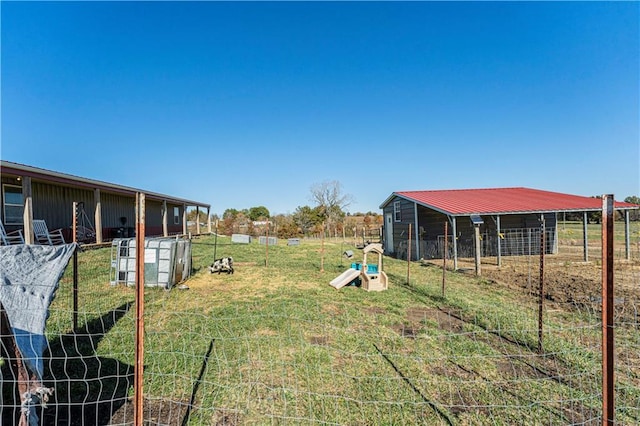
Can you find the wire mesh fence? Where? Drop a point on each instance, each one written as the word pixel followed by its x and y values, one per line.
pixel 274 343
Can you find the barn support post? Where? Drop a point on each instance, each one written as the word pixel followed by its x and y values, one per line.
pixel 184 219
pixel 627 245
pixel 27 214
pixel 98 215
pixel 197 220
pixel 209 220
pixel 476 241
pixel 556 245
pixel 165 219
pixel 499 241
pixel 608 411
pixel 585 237
pixel 454 238
pixel 138 417
pixel 416 230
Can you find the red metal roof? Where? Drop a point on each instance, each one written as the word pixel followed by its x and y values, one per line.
pixel 503 200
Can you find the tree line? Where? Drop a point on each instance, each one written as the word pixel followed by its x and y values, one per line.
pixel 327 215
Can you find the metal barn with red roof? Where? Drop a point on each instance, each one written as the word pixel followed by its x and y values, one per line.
pixel 499 212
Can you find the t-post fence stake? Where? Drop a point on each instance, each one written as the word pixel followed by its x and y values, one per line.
pixel 75 266
pixel 409 258
pixel 138 416
pixel 541 288
pixel 444 254
pixel 608 412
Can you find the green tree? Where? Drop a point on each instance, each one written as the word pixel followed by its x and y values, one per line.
pixel 258 213
pixel 202 216
pixel 230 214
pixel 306 218
pixel 285 226
pixel 633 214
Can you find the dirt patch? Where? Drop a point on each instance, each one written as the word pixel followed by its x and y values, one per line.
pixel 375 310
pixel 417 317
pixel 170 413
pixel 319 340
pixel 569 284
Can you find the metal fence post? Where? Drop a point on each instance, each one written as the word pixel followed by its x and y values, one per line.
pixel 138 417
pixel 541 287
pixel 444 254
pixel 608 412
pixel 409 257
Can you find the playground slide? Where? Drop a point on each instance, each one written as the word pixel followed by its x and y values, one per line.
pixel 344 278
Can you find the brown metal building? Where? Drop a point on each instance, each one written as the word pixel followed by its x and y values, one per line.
pixel 32 193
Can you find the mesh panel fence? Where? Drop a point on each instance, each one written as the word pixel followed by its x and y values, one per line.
pixel 274 343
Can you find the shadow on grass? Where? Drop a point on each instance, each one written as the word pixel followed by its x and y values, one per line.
pixel 196 385
pixel 89 388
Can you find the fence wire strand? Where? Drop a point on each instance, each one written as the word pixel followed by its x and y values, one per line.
pixel 276 344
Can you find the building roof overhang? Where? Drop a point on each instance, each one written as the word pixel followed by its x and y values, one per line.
pixel 502 201
pixel 8 168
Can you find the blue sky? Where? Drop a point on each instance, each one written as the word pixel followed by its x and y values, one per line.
pixel 243 104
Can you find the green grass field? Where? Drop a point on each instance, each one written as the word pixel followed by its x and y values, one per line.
pixel 274 344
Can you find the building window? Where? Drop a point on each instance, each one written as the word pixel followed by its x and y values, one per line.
pixel 396 212
pixel 13 204
pixel 176 215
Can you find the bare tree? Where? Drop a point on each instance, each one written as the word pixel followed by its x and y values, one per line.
pixel 331 203
pixel 328 196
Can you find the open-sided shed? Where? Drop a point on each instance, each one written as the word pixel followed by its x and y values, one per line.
pixel 414 221
pixel 30 193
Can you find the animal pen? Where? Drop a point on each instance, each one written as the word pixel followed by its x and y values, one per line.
pixel 273 343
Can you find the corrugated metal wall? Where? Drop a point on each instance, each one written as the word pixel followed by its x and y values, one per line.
pixel 54 204
pixel 431 226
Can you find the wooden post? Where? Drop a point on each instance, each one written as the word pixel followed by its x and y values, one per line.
pixel 19 371
pixel 266 247
pixel 215 242
pixel 608 411
pixel 184 220
pixel 209 220
pixel 138 417
pixel 98 215
pixel 322 250
pixel 27 216
pixel 197 220
pixel 476 240
pixel 165 219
